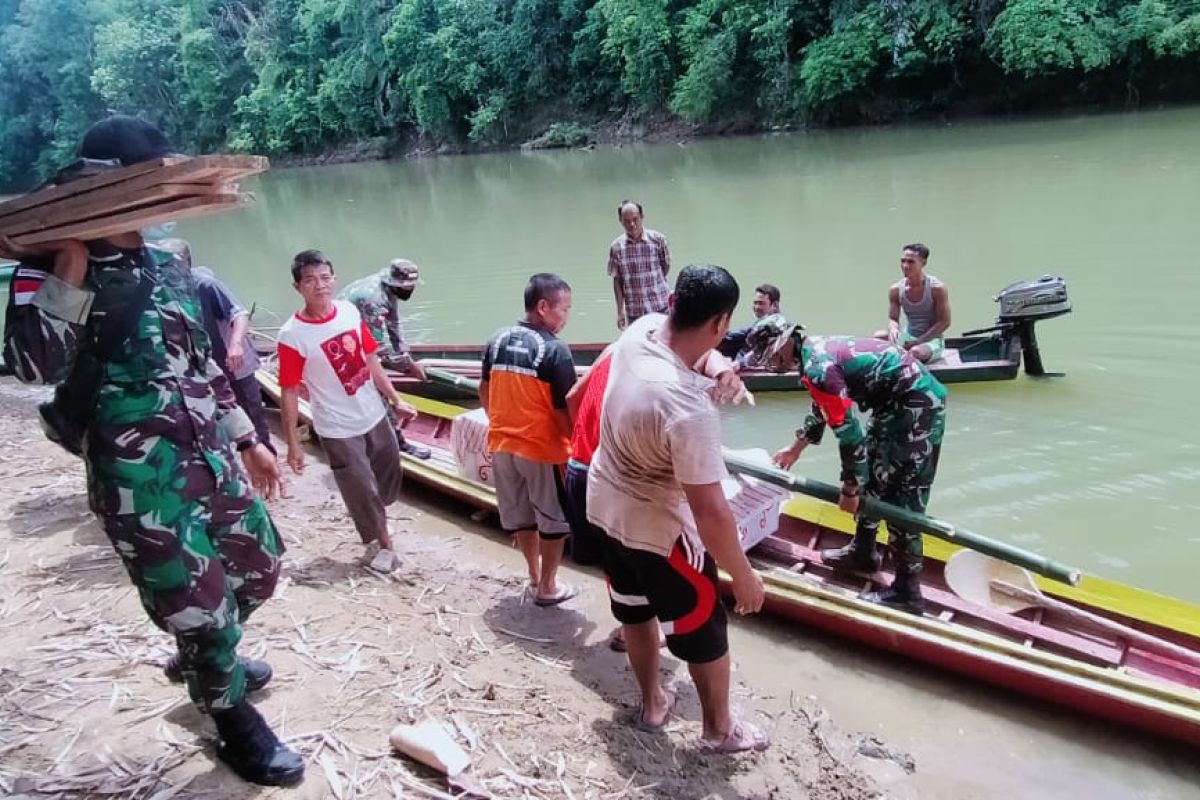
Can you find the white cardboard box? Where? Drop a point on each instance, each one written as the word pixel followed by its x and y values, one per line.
pixel 755 504
pixel 468 438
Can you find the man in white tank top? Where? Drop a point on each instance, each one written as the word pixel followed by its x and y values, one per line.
pixel 926 306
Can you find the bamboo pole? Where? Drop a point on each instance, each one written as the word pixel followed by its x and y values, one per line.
pixel 886 511
pixel 911 519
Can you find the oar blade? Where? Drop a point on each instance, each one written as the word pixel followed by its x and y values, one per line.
pixel 971 574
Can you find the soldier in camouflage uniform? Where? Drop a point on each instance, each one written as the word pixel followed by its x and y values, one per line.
pixel 159 446
pixel 894 459
pixel 377 298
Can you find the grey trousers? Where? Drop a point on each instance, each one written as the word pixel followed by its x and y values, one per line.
pixel 368 474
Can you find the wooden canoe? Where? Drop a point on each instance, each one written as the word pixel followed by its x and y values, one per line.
pixel 994 357
pixel 1035 652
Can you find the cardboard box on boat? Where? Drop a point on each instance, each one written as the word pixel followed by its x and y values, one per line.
pixel 755 504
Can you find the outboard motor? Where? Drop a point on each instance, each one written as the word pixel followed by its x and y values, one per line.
pixel 1023 305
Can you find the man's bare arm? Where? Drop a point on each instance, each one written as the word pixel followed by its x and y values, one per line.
pixel 893 326
pixel 619 294
pixel 485 396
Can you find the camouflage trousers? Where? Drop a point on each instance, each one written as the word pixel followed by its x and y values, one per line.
pixel 201 567
pixel 904 442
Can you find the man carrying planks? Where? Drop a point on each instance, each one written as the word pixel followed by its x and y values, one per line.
pixel 894 459
pixel 156 422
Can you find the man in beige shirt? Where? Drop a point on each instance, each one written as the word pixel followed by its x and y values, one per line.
pixel 654 487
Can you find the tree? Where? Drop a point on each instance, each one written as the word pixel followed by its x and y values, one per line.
pixel 1036 37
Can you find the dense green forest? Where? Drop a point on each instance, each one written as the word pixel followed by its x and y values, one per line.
pixel 304 76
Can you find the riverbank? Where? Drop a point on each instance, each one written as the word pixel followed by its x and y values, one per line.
pixel 546 133
pixel 534 695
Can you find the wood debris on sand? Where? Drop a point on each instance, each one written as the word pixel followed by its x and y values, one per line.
pixel 534 696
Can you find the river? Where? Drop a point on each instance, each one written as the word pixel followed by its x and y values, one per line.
pixel 1100 468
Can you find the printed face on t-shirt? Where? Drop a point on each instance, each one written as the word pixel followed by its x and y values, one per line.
pixel 345 355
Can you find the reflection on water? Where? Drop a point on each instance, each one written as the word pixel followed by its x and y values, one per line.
pixel 1099 469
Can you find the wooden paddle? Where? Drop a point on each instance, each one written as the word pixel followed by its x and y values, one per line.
pixel 990 582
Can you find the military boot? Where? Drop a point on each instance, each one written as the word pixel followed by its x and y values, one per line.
pixel 251 749
pixel 904 593
pixel 858 556
pixel 258 673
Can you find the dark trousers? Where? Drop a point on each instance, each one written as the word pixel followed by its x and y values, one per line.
pixel 368 474
pixel 586 538
pixel 201 567
pixel 249 397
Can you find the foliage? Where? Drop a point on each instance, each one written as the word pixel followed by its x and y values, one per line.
pixel 560 134
pixel 1033 37
pixel 295 76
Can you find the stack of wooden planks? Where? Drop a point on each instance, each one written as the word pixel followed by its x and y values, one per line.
pixel 124 199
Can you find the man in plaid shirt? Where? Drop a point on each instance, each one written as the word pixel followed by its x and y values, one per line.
pixel 638 262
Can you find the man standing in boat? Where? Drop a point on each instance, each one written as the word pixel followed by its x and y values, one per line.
pixel 638 263
pixel 327 347
pixel 527 373
pixel 377 298
pixel 654 487
pixel 894 459
pixel 925 302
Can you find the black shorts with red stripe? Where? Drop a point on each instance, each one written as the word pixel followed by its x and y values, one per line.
pixel 680 589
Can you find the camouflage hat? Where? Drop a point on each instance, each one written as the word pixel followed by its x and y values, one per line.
pixel 401 274
pixel 767 339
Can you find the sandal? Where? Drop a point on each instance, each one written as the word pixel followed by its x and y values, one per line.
pixel 639 722
pixel 742 736
pixel 565 593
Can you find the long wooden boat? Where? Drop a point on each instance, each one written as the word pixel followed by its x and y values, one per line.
pixel 993 357
pixel 1042 653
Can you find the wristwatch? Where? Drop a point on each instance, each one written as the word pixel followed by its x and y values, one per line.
pixel 245 444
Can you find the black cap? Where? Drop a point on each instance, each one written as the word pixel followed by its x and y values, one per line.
pixel 126 139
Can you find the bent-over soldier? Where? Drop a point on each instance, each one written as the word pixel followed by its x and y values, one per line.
pixel 893 459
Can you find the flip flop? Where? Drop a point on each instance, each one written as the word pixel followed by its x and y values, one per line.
pixel 639 722
pixel 565 593
pixel 742 736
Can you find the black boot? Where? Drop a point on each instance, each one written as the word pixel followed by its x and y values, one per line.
pixel 858 556
pixel 416 450
pixel 258 673
pixel 904 593
pixel 251 749
pixel 407 447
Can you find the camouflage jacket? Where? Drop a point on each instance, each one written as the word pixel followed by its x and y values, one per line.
pixel 381 312
pixel 165 413
pixel 838 372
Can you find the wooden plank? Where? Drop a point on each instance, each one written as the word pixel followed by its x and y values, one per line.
pixel 53 193
pixel 92 206
pixel 134 220
pixel 148 173
pixel 779 551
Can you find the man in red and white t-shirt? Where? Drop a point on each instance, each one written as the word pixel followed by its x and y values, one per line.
pixel 329 348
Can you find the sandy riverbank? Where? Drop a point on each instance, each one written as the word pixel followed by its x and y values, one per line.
pixel 534 694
